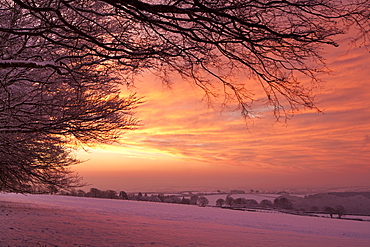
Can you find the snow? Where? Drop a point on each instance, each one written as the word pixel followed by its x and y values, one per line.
pixel 45 220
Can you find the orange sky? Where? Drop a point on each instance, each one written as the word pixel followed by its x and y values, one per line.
pixel 185 144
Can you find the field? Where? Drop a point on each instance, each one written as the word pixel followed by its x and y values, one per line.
pixel 45 220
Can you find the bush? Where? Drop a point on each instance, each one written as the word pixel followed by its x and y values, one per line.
pixel 266 204
pixel 283 203
pixel 185 201
pixel 202 201
pixel 154 198
pixel 340 211
pixel 251 203
pixel 330 211
pixel 193 199
pixel 229 201
pixel 220 202
pixel 172 199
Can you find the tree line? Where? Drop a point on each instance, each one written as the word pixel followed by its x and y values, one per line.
pixel 279 203
pixel 199 200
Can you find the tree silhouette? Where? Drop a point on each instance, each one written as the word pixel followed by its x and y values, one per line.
pixel 94 192
pixel 61 63
pixel 48 106
pixel 283 203
pixel 202 201
pixel 266 204
pixel 330 211
pixel 220 202
pixel 272 41
pixel 340 210
pixel 229 200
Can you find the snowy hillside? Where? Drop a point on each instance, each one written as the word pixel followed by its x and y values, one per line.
pixel 44 220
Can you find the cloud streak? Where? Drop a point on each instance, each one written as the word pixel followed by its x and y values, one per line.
pixel 177 123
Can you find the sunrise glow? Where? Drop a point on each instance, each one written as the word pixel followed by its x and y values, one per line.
pixel 185 142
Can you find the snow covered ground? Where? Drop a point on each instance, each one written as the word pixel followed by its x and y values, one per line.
pixel 44 220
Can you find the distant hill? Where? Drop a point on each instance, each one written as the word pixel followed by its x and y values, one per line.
pixel 353 202
pixel 350 194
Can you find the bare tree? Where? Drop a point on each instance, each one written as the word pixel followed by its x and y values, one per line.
pixel 266 204
pixel 30 164
pixel 202 201
pixel 61 62
pixel 330 211
pixel 229 200
pixel 45 109
pixel 94 192
pixel 273 42
pixel 220 202
pixel 283 203
pixel 194 199
pixel 340 210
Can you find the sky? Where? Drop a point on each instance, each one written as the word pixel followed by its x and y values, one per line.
pixel 185 143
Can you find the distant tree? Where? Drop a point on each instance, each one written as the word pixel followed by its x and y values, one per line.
pixel 185 200
pixel 283 203
pixel 251 191
pixel 202 201
pixel 193 199
pixel 111 194
pixel 161 197
pixel 154 198
pixel 172 199
pixel 81 193
pixel 144 198
pixel 229 201
pixel 240 201
pixel 220 202
pixel 139 196
pixel 69 192
pixel 251 203
pixel 330 211
pixel 266 204
pixel 94 192
pixel 132 196
pixel 340 210
pixel 123 195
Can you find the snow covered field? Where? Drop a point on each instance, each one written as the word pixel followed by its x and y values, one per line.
pixel 44 220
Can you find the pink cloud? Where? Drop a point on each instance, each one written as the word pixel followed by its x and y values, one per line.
pixel 310 146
